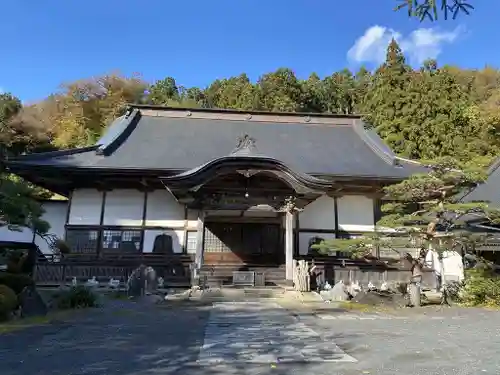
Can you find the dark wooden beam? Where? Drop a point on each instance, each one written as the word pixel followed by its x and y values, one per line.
pixel 186 217
pixel 336 215
pixel 144 218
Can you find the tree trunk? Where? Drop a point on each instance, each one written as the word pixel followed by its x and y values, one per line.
pixel 301 276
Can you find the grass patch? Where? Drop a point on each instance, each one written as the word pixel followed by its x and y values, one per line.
pixel 19 324
pixel 116 295
pixel 361 307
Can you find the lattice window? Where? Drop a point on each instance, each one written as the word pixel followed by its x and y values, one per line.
pixel 82 241
pixel 221 237
pixel 121 240
pixel 192 240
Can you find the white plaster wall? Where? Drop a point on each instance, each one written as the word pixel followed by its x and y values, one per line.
pixel 124 207
pixel 319 214
pixel 26 235
pixel 453 266
pixel 192 222
pixel 177 239
pixel 55 215
pixel 355 213
pixel 163 210
pixel 305 237
pixel 453 269
pixel 260 213
pixel 85 207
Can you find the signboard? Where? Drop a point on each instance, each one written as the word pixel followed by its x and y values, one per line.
pixel 246 278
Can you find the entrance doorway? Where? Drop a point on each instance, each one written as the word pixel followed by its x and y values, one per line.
pixel 243 243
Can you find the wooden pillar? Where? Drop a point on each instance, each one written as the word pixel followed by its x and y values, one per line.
pixel 198 260
pixel 289 218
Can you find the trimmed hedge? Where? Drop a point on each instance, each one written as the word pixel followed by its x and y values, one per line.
pixel 16 281
pixel 8 302
pixel 77 297
pixel 481 288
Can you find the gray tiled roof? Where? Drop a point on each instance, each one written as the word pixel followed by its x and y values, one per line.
pixel 159 142
pixel 489 190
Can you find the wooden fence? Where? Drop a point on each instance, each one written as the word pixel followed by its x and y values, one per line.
pixel 334 270
pixel 174 269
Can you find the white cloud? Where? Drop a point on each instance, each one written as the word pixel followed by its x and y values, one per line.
pixel 419 45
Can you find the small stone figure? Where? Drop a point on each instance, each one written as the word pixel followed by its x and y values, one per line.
pixel 92 283
pixel 337 293
pixel 113 283
pixel 161 282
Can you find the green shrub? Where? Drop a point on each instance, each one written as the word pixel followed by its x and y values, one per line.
pixel 77 297
pixel 481 288
pixel 8 302
pixel 16 281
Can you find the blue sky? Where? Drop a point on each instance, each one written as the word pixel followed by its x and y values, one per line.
pixel 47 42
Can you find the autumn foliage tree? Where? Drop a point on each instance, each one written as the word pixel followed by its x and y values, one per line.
pixel 18 205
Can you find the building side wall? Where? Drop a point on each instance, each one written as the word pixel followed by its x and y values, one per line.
pixel 334 217
pixel 150 214
pixel 164 211
pixel 86 206
pixel 55 215
pixel 356 213
pixel 319 214
pixel 123 207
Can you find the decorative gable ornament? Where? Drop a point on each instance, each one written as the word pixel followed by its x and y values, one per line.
pixel 245 143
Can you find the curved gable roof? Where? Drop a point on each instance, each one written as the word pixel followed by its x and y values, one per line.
pixel 159 138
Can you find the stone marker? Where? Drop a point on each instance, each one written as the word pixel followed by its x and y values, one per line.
pixel 136 282
pixel 151 281
pixel 32 304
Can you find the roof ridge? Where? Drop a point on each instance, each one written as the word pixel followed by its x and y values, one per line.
pixel 118 131
pixel 376 145
pixel 241 111
pixel 50 154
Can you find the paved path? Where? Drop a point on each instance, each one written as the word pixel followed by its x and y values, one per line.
pixel 263 333
pixel 255 338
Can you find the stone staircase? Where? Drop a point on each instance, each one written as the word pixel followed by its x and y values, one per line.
pixel 230 294
pixel 222 275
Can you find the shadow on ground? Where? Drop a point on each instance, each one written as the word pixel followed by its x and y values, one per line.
pixel 131 338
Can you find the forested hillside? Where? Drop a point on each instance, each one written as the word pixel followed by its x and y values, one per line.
pixel 422 114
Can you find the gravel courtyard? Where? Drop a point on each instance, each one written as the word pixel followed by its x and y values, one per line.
pixel 256 338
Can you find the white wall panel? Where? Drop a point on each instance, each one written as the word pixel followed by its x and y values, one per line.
pixel 260 213
pixel 192 222
pixel 124 207
pixel 453 266
pixel 176 235
pixel 355 213
pixel 163 210
pixel 25 235
pixel 85 207
pixel 319 214
pixel 55 215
